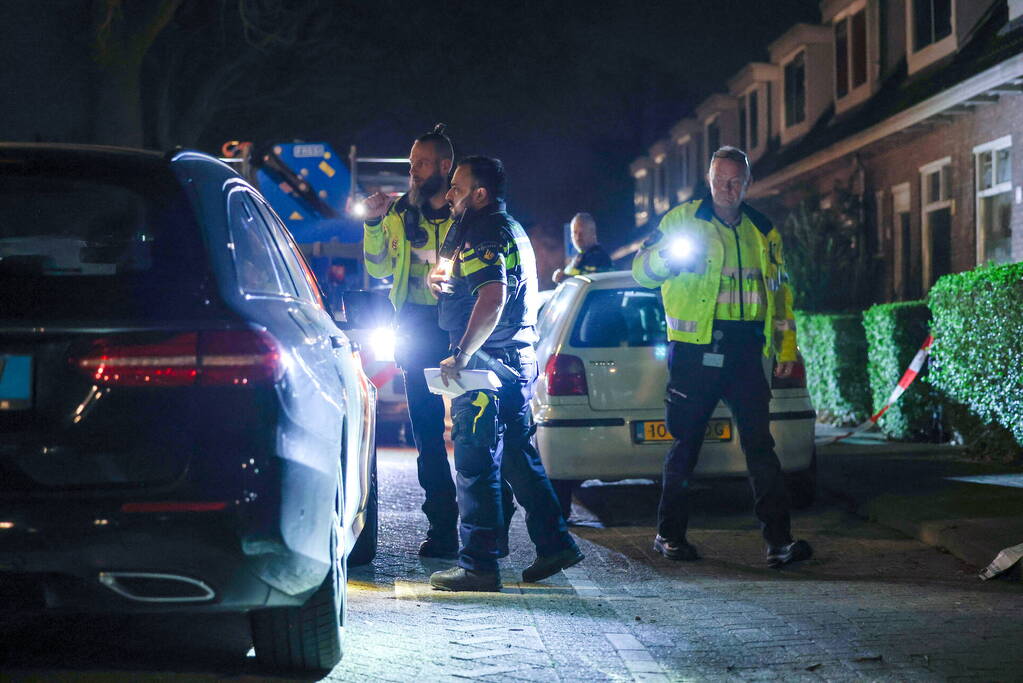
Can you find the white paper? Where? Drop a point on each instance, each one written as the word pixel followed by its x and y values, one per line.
pixel 468 380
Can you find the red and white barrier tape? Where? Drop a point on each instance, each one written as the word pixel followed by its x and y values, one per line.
pixel 907 378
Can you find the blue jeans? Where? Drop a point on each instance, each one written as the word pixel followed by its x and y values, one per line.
pixel 493 431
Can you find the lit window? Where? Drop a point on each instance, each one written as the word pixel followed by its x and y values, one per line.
pixel 795 90
pixel 994 201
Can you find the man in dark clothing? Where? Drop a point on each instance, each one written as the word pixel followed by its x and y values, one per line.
pixel 591 257
pixel 489 308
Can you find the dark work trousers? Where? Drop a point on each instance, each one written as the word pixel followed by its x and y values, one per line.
pixel 493 433
pixel 422 344
pixel 694 389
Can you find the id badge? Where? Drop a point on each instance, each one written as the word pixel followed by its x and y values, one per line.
pixel 714 360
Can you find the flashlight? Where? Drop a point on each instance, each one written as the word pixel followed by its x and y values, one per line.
pixel 359 209
pixel 382 341
pixel 681 249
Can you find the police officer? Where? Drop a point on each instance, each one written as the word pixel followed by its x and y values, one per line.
pixel 402 239
pixel 490 313
pixel 591 257
pixel 719 266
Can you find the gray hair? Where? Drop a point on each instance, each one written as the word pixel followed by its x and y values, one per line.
pixel 734 154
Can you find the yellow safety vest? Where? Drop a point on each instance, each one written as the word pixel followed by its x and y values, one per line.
pixel 695 297
pixel 388 252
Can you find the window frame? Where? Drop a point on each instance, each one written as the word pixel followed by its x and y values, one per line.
pixel 785 64
pixel 927 207
pixel 993 146
pixel 683 152
pixel 932 52
pixel 855 94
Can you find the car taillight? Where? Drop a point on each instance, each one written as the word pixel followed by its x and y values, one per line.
pixel 796 380
pixel 566 376
pixel 238 357
pixel 210 358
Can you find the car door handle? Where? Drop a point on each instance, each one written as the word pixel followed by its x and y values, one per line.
pixel 339 342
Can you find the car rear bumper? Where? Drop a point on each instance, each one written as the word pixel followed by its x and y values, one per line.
pixel 603 448
pixel 106 555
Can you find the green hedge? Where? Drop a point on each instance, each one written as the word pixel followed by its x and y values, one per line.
pixel 834 349
pixel 894 335
pixel 977 357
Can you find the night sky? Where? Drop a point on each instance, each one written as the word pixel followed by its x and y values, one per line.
pixel 566 93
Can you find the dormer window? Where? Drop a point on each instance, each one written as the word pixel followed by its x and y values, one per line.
pixel 931 31
pixel 795 89
pixel 851 51
pixel 713 138
pixel 932 21
pixel 749 120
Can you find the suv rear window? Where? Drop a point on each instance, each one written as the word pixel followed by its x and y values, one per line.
pixel 82 242
pixel 620 317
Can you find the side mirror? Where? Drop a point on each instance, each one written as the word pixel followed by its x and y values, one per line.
pixel 363 310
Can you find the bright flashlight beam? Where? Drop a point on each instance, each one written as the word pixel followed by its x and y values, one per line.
pixel 381 343
pixel 681 248
pixel 359 209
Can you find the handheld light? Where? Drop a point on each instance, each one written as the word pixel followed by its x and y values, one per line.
pixel 359 209
pixel 382 341
pixel 681 248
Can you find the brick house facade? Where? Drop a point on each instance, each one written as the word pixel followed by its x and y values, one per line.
pixel 914 106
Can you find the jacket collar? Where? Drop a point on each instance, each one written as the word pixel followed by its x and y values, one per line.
pixel 705 211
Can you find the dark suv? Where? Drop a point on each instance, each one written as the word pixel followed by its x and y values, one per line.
pixel 183 424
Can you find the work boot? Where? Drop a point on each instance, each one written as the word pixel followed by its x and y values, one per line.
pixel 780 555
pixel 549 565
pixel 459 579
pixel 680 551
pixel 434 546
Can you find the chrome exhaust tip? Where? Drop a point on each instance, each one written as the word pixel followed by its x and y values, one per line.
pixel 153 587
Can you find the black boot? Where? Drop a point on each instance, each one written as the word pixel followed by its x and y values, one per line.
pixel 459 579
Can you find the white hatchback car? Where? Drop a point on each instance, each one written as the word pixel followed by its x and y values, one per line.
pixel 599 405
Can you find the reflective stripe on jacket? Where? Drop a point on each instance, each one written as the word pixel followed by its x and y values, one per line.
pixel 691 296
pixel 388 252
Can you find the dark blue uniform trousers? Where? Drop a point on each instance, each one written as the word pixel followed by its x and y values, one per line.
pixel 422 344
pixel 694 389
pixel 493 432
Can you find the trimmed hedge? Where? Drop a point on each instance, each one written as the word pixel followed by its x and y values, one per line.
pixel 977 357
pixel 834 349
pixel 894 334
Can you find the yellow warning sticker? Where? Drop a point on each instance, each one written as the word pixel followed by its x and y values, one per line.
pixel 327 169
pixel 295 216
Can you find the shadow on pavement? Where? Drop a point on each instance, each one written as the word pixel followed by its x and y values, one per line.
pixel 180 647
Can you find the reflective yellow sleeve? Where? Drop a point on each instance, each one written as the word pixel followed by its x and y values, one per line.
pixel 377 245
pixel 784 317
pixel 648 266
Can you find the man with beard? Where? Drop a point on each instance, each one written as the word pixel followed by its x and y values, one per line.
pixel 402 239
pixel 489 306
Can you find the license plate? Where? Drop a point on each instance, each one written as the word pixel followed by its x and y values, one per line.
pixel 15 382
pixel 718 429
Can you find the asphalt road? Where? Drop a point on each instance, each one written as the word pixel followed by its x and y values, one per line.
pixel 871 605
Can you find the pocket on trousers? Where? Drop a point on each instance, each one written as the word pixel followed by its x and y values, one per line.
pixel 475 423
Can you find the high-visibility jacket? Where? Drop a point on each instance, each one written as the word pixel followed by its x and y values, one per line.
pixel 389 252
pixel 698 292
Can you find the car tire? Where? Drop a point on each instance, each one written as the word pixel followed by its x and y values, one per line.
pixel 365 548
pixel 802 485
pixel 564 488
pixel 309 638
